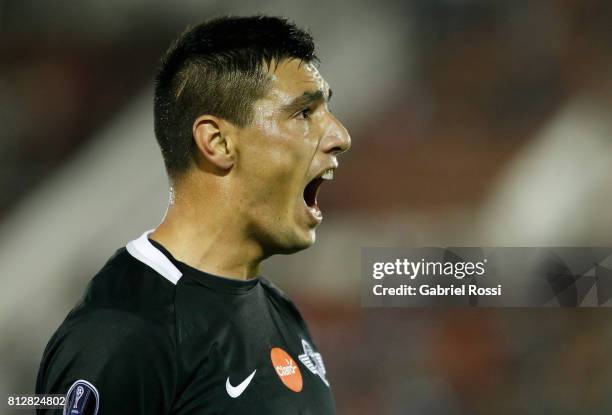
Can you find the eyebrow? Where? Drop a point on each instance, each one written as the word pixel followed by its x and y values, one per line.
pixel 306 99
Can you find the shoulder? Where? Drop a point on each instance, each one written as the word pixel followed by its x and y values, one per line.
pixel 120 353
pixel 120 337
pixel 106 333
pixel 126 305
pixel 126 284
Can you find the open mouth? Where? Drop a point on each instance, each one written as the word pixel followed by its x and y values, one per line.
pixel 311 192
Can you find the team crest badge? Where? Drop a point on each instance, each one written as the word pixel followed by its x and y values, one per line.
pixel 82 399
pixel 313 361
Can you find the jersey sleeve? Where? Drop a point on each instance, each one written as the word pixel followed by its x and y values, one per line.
pixel 110 361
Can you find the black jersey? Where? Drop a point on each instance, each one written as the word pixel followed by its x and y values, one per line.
pixel 153 335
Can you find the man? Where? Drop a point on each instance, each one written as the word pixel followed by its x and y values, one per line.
pixel 179 321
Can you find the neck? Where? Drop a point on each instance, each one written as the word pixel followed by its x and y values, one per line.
pixel 210 237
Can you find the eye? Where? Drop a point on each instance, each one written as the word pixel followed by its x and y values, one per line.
pixel 305 114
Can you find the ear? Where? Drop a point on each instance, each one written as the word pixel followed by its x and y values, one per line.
pixel 213 138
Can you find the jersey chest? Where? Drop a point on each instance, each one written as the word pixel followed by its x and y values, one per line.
pixel 247 355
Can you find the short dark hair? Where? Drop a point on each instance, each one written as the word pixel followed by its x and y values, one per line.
pixel 218 68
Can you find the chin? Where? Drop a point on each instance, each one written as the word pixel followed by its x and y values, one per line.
pixel 298 241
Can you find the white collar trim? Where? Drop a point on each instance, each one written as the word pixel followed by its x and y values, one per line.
pixel 145 252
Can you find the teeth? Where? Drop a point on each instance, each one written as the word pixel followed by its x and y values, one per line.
pixel 328 174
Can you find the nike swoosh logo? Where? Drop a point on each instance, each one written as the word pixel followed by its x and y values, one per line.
pixel 236 391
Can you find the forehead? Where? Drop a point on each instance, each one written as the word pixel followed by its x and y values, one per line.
pixel 291 78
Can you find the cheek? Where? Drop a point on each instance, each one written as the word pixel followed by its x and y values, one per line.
pixel 279 152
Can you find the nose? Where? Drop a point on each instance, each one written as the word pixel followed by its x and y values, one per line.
pixel 337 139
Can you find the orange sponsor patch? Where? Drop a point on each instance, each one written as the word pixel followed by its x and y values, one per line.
pixel 286 368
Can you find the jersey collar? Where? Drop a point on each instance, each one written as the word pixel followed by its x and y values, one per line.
pixel 145 252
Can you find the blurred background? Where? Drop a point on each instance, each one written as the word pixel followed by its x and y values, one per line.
pixel 474 123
